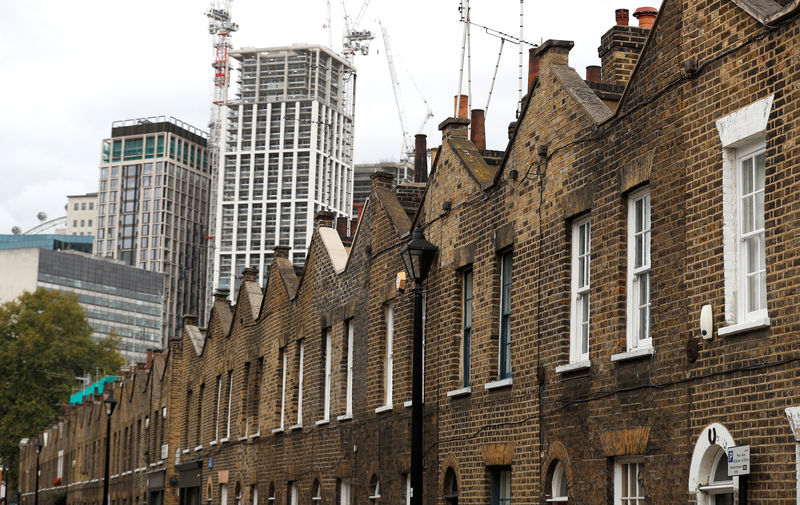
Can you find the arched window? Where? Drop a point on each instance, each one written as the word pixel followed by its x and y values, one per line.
pixel 316 493
pixel 450 487
pixel 238 494
pixel 720 486
pixel 708 473
pixel 375 490
pixel 271 497
pixel 558 485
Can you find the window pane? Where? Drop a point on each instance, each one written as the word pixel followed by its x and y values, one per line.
pixel 747 214
pixel 747 176
pixel 759 171
pixel 584 323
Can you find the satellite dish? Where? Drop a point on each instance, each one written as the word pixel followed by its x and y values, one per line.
pixel 41 216
pixel 16 230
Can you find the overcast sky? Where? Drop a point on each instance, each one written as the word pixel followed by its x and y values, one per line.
pixel 72 68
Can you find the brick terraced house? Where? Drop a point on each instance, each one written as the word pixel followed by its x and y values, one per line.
pixel 612 308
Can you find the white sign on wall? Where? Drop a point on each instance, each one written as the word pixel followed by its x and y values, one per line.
pixel 738 460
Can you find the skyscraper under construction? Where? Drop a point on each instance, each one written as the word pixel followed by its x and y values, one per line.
pixel 287 153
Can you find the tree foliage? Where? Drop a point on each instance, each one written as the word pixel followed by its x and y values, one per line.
pixel 45 343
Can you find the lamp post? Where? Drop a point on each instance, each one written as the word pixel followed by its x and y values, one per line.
pixel 418 256
pixel 110 402
pixel 38 447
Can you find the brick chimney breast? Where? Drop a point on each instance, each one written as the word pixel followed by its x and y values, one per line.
pixel 454 128
pixel 250 274
pixel 619 51
pixel 382 180
pixel 323 219
pixel 281 251
pixel 553 52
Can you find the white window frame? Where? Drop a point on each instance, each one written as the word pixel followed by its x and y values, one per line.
pixel 316 491
pixel 375 496
pixel 388 359
pixel 217 407
pixel 742 134
pixel 620 493
pixel 559 476
pixel 467 296
pixel 294 493
pixel 301 353
pixel 230 403
pixel 283 387
pixel 326 405
pixel 704 464
pixel 348 399
pixel 580 292
pixel 60 464
pixel 408 489
pixel 638 273
pixel 223 495
pixel 344 492
pixel 504 370
pixel 752 152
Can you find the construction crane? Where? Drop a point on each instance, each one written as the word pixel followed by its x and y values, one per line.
pixel 408 141
pixel 220 26
pixel 355 40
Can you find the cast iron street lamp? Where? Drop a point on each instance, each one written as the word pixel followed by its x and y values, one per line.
pixel 418 257
pixel 36 490
pixel 109 404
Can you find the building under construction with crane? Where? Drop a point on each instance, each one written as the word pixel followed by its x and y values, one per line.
pixel 287 154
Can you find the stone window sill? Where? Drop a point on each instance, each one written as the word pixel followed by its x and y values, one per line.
pixel 501 383
pixel 735 329
pixel 574 367
pixel 459 392
pixel 345 417
pixel 641 352
pixel 295 427
pixel 322 422
pixel 383 408
pixel 275 431
pixel 198 448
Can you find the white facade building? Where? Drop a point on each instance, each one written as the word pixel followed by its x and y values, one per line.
pixel 288 153
pixel 81 214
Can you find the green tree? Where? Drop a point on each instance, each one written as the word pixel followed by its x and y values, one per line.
pixel 45 343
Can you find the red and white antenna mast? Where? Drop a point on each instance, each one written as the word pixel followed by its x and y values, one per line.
pixel 220 27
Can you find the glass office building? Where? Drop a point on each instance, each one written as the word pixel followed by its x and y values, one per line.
pixel 152 208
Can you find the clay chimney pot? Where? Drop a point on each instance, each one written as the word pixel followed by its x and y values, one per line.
pixel 460 108
pixel 646 16
pixel 622 17
pixel 478 132
pixel 593 73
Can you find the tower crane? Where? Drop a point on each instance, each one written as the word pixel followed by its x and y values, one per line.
pixel 220 26
pixel 408 151
pixel 355 40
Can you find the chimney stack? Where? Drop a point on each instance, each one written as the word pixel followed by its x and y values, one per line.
pixel 323 219
pixel 281 251
pixel 620 47
pixel 622 17
pixel 149 359
pixel 421 158
pixel 478 130
pixel 593 73
pixel 460 107
pixel 533 67
pixel 646 16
